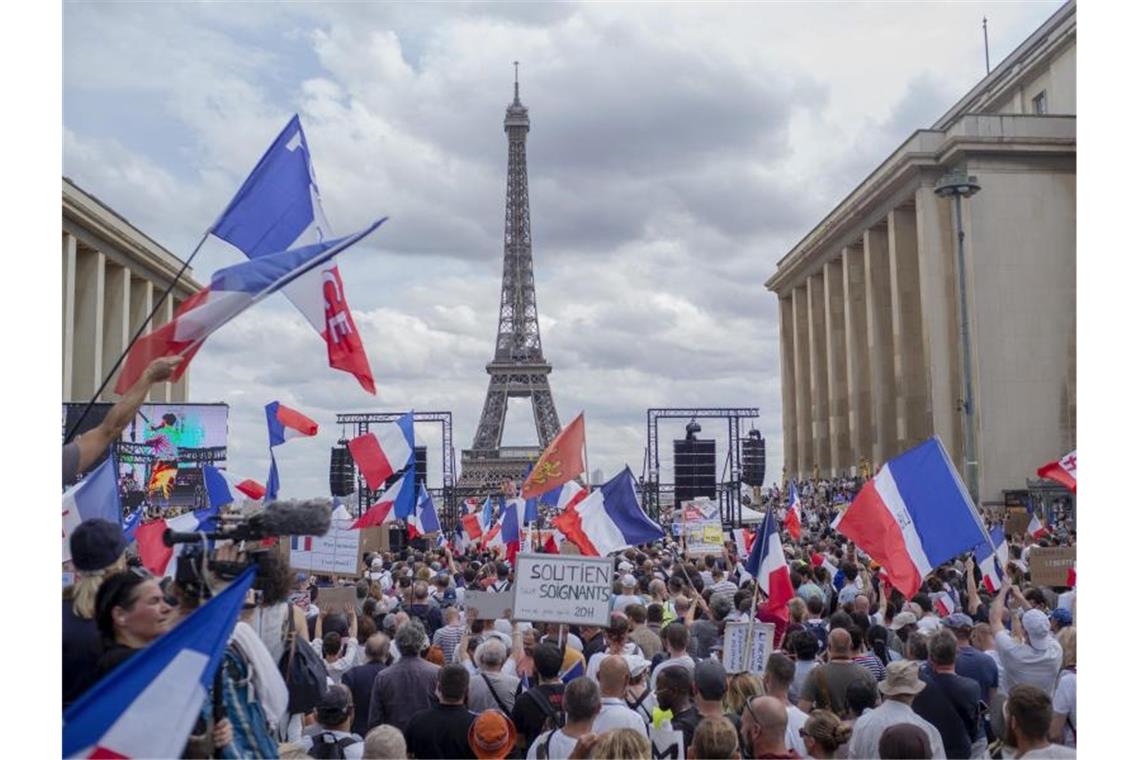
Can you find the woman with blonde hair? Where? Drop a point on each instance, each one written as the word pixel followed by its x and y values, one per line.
pixel 823 733
pixel 622 744
pixel 97 551
pixel 741 688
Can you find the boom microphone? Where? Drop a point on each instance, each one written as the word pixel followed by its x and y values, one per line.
pixel 311 517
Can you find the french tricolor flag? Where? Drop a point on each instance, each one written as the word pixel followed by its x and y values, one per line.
pixel 792 518
pixel 1036 529
pixel 424 519
pixel 148 706
pixel 564 495
pixel 743 538
pixel 231 291
pixel 991 557
pixel 285 424
pixel 608 519
pixel 157 557
pixel 222 488
pixel 767 564
pixel 381 455
pixel 385 510
pixel 96 496
pixel 913 516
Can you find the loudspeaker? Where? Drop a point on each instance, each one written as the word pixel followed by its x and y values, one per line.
pixel 752 460
pixel 397 539
pixel 342 473
pixel 421 467
pixel 694 469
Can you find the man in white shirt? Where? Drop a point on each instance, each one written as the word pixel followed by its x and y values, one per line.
pixel 613 678
pixel 1036 662
pixel 582 701
pixel 898 689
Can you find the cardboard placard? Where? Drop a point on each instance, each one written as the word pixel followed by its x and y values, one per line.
pixel 334 598
pixel 734 656
pixel 1050 565
pixel 1016 521
pixel 490 604
pixel 561 588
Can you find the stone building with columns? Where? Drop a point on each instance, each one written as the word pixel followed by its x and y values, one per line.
pixel 112 275
pixel 870 346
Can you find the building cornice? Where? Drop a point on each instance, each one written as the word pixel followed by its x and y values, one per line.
pixel 89 213
pixel 924 150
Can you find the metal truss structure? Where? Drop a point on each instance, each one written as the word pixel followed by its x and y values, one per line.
pixel 728 490
pixel 518 369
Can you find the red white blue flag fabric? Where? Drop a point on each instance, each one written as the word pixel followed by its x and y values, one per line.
pixel 1036 528
pixel 608 519
pixel 160 559
pixel 385 509
pixel 231 291
pixel 284 424
pixel 511 532
pixel 767 564
pixel 279 207
pixel 792 518
pixel 743 538
pixel 1063 471
pixel 424 518
pixel 223 488
pixel 382 454
pixel 96 496
pixel 564 495
pixel 148 706
pixel 913 516
pixel 991 557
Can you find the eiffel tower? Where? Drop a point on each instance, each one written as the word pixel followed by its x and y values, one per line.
pixel 518 369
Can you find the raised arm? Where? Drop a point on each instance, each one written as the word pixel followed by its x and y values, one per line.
pixel 997 607
pixel 972 600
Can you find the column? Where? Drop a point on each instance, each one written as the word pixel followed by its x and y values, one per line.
pixel 835 327
pixel 817 360
pixel 87 370
pixel 938 284
pixel 142 301
pixel 788 384
pixel 858 356
pixel 116 318
pixel 68 277
pixel 912 409
pixel 880 345
pixel 804 460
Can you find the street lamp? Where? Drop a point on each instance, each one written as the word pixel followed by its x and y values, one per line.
pixel 958 184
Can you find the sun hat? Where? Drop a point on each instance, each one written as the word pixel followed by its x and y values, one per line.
pixel 903 618
pixel 492 735
pixel 902 678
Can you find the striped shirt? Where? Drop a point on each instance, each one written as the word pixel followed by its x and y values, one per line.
pixel 447 638
pixel 723 587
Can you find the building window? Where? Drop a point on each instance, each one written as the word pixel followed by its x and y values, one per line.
pixel 1040 104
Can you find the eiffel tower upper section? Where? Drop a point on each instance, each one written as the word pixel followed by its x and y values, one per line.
pixel 518 368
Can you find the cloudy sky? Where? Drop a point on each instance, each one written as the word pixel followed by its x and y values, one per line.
pixel 676 153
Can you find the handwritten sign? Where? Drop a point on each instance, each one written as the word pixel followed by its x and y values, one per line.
pixel 336 598
pixel 1050 565
pixel 554 588
pixel 734 657
pixel 666 742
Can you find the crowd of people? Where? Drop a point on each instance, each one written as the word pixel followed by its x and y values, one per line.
pixel 410 669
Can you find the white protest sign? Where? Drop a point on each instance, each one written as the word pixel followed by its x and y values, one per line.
pixel 338 551
pixel 734 656
pixel 491 605
pixel 556 588
pixel 666 742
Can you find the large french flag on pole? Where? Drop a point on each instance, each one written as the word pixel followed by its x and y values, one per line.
pixel 147 706
pixel 767 564
pixel 609 519
pixel 913 516
pixel 386 509
pixel 231 291
pixel 792 518
pixel 1063 471
pixel 279 207
pixel 284 424
pixel 381 455
pixel 991 557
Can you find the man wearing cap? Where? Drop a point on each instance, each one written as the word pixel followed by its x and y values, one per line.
pixel 1060 618
pixel 613 680
pixel 628 594
pixel 902 626
pixel 898 689
pixel 1037 661
pixel 969 662
pixel 334 715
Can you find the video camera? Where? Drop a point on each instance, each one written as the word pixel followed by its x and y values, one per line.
pixel 279 518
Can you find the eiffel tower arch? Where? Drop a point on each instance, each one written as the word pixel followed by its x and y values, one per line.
pixel 518 369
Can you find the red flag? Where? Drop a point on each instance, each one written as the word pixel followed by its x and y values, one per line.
pixel 551 546
pixel 1063 471
pixel 154 554
pixel 471 525
pixel 561 462
pixel 369 457
pixel 346 352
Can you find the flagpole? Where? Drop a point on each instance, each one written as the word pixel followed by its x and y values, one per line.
pixel 138 333
pixel 586 455
pixel 751 621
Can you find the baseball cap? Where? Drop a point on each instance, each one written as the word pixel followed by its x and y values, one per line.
pixel 628 581
pixel 1061 617
pixel 637 664
pixel 96 544
pixel 624 566
pixel 1036 625
pixel 333 704
pixel 958 621
pixel 492 735
pixel 903 618
pixel 710 679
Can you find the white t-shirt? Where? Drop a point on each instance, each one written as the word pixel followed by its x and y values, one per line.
pixel 1052 751
pixel 616 714
pixel 684 661
pixel 561 746
pixel 796 720
pixel 1065 703
pixel 1026 664
pixel 596 659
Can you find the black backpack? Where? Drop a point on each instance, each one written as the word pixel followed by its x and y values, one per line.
pixel 326 745
pixel 304 672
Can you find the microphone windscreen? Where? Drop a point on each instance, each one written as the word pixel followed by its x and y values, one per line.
pixel 311 517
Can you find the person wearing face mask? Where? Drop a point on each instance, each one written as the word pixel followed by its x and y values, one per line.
pixel 131 612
